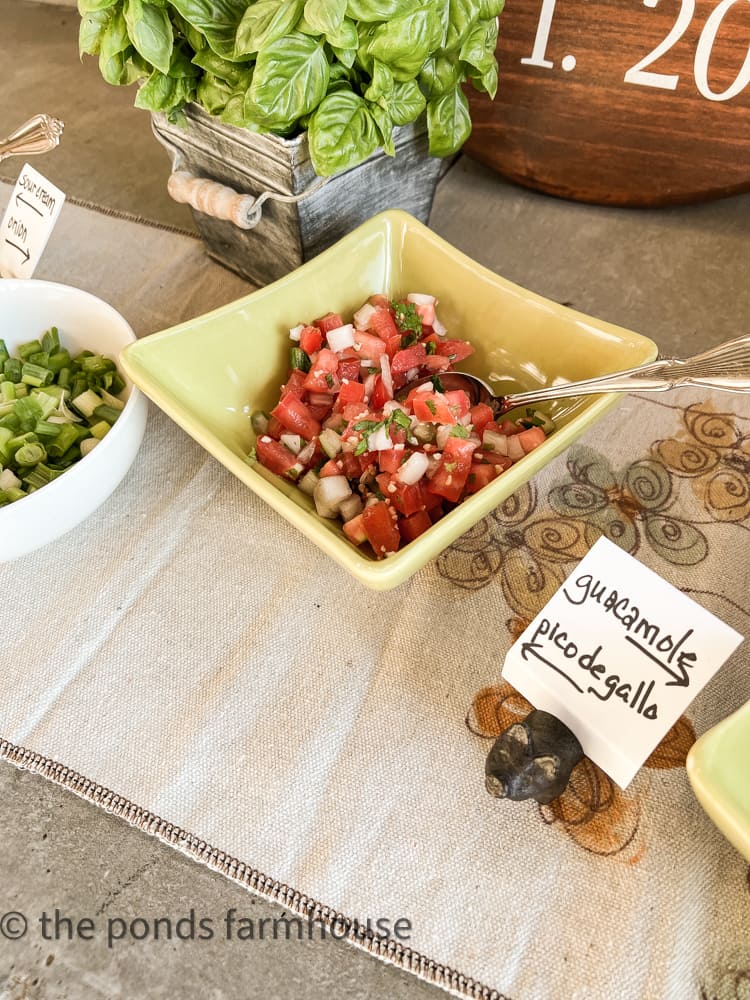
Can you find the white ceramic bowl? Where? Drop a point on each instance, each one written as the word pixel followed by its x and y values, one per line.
pixel 27 309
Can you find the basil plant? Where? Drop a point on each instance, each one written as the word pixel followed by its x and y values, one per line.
pixel 346 71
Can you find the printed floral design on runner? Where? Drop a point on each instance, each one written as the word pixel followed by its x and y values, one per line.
pixel 596 814
pixel 731 984
pixel 712 452
pixel 629 506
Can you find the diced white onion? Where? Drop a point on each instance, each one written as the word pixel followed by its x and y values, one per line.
pixel 292 441
pixel 9 480
pixel 443 433
pixel 296 331
pixel 419 299
pixel 413 468
pixel 385 368
pixel 515 448
pixel 308 482
pixel 390 406
pixel 329 493
pixel 380 440
pixel 351 507
pixel 492 441
pixel 306 454
pixel 425 387
pixel 341 338
pixel 439 328
pixel 363 316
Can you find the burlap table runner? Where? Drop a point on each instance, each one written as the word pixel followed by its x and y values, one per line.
pixel 187 661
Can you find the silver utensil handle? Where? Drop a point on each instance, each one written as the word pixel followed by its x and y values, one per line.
pixel 38 135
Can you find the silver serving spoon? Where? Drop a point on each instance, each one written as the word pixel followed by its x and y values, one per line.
pixel 725 367
pixel 39 134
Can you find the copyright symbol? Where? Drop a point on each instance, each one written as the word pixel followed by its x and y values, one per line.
pixel 13 925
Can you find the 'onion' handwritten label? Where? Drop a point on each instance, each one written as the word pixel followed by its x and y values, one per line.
pixel 28 222
pixel 617 655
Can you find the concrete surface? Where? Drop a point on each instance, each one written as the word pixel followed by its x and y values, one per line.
pixel 678 275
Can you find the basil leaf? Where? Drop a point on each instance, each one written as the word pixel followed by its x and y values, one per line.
pixel 345 36
pixel 150 31
pixel 326 16
pixel 265 22
pixel 486 82
pixel 345 56
pixel 478 49
pixel 448 122
pixel 406 103
pixel 382 82
pixel 91 30
pixel 461 17
pixel 158 93
pixel 216 19
pixel 379 10
pixel 115 38
pixel 439 74
pixel 181 67
pixel 384 125
pixel 490 8
pixel 290 80
pixel 92 6
pixel 230 72
pixel 114 68
pixel 213 93
pixel 341 133
pixel 404 43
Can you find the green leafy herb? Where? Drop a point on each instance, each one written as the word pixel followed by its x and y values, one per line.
pixel 431 406
pixel 408 322
pixel 458 431
pixel 437 384
pixel 347 71
pixel 298 359
pixel 430 347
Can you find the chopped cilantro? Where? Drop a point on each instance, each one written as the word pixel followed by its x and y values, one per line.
pixel 459 431
pixel 368 425
pixel 430 406
pixel 329 380
pixel 408 322
pixel 437 384
pixel 430 347
pixel 401 418
pixel 361 447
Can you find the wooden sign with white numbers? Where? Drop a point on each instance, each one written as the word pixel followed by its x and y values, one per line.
pixel 624 102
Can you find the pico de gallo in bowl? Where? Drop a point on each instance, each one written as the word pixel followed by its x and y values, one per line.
pixel 385 459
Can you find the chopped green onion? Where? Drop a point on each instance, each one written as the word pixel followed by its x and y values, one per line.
pixel 51 341
pixel 299 359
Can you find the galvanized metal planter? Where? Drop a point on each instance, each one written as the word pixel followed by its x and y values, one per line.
pixel 258 204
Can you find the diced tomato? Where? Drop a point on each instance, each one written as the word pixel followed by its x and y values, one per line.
pixel 354 411
pixel 311 339
pixel 354 530
pixel 432 407
pixel 508 427
pixel 296 417
pixel 435 363
pixel 450 478
pixel 382 324
pixel 276 457
pixel 407 498
pixel 371 348
pixel 350 466
pixel 349 368
pixel 413 526
pixel 429 337
pixel 411 357
pixel 495 458
pixel 432 501
pixel 481 415
pixel 454 350
pixel 393 344
pixel 331 321
pixel 379 396
pixel 319 411
pixel 458 402
pixel 531 438
pixel 330 469
pixel 479 476
pixel 390 460
pixel 323 375
pixel 379 522
pixel 295 383
pixel 274 429
pixel 351 392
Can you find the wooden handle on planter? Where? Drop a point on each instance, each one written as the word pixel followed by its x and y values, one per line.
pixel 214 199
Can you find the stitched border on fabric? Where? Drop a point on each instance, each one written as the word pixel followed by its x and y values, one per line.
pixel 250 878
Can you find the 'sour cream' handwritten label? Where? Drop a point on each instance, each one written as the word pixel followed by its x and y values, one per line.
pixel 28 222
pixel 617 655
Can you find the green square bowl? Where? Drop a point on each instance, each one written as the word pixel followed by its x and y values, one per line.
pixel 719 771
pixel 211 373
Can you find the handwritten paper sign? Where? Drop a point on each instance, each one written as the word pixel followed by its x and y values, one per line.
pixel 617 655
pixel 28 222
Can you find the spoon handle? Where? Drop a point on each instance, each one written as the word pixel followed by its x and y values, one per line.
pixel 38 135
pixel 726 367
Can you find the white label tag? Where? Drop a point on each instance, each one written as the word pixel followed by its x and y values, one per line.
pixel 617 655
pixel 28 222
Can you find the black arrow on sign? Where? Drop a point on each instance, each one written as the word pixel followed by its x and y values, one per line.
pixel 32 207
pixel 25 253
